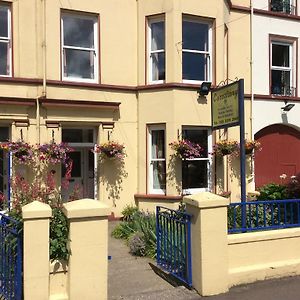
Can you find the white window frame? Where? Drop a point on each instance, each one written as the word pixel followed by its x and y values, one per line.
pixel 151 190
pixel 207 53
pixel 95 49
pixel 190 191
pixel 151 52
pixel 7 40
pixel 290 69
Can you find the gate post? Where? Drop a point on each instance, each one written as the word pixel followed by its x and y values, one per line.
pixel 36 216
pixel 88 242
pixel 209 242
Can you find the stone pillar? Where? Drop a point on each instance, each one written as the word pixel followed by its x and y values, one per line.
pixel 209 242
pixel 36 216
pixel 87 271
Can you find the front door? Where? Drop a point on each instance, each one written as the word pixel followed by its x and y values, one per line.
pixel 80 182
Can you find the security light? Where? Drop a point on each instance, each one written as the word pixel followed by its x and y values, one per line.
pixel 204 88
pixel 288 107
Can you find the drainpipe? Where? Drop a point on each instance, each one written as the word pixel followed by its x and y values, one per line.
pixel 252 91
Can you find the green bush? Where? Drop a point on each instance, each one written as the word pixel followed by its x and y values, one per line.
pixel 272 191
pixel 128 212
pixel 59 235
pixel 139 232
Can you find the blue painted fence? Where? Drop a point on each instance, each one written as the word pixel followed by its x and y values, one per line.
pixel 173 230
pixel 11 279
pixel 263 215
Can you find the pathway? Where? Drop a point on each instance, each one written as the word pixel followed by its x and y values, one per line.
pixel 132 278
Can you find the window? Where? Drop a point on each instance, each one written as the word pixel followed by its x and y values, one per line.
pixel 80 48
pixel 156 38
pixel 282 69
pixel 196 50
pixel 157 160
pixel 196 172
pixel 284 6
pixel 5 41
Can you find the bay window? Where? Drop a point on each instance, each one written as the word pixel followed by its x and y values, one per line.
pixel 196 171
pixel 157 160
pixel 5 40
pixel 282 79
pixel 196 50
pixel 79 47
pixel 156 49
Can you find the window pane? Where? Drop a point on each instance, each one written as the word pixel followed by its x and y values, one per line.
pixel 157 36
pixel 195 36
pixel 158 144
pixel 197 136
pixel 194 174
pixel 4 134
pixel 281 83
pixel 78 32
pixel 3 21
pixel 79 64
pixel 3 58
pixel 159 175
pixel 158 66
pixel 72 135
pixel 280 55
pixel 194 66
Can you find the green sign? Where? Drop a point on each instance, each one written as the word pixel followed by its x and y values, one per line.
pixel 225 106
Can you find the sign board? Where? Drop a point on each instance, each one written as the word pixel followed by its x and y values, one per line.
pixel 225 106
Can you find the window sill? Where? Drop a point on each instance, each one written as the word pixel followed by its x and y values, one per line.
pixel 157 196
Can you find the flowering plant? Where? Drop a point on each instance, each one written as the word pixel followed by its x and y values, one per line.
pixel 185 149
pixel 111 150
pixel 22 152
pixel 54 153
pixel 251 145
pixel 225 147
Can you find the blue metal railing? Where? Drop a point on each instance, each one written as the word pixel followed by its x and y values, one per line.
pixel 173 230
pixel 11 253
pixel 263 215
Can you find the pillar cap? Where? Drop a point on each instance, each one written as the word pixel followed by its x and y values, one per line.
pixel 85 208
pixel 206 200
pixel 36 210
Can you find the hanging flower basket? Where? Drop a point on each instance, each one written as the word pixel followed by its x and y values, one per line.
pixel 185 149
pixel 251 145
pixel 225 147
pixel 112 150
pixel 54 153
pixel 22 152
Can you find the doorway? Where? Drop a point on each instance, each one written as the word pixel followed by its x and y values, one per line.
pixel 81 182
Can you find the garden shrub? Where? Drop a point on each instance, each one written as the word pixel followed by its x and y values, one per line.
pixel 273 191
pixel 137 244
pixel 138 230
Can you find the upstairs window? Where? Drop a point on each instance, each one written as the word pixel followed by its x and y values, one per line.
pixel 80 48
pixel 156 45
pixel 196 50
pixel 282 81
pixel 5 40
pixel 283 6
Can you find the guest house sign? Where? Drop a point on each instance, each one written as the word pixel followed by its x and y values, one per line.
pixel 225 106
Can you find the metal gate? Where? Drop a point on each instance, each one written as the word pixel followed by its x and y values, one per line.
pixel 11 287
pixel 173 229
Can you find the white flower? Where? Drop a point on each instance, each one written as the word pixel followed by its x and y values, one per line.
pixel 293 177
pixel 283 176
